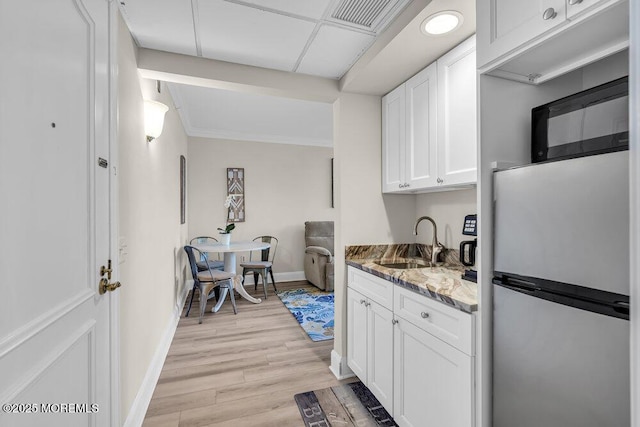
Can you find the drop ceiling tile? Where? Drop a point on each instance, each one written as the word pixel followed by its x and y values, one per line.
pixel 310 8
pixel 161 24
pixel 333 51
pixel 234 33
pixel 217 113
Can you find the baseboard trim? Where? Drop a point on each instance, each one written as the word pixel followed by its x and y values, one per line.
pixel 289 276
pixel 339 366
pixel 138 409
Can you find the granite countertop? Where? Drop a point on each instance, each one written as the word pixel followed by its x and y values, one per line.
pixel 443 283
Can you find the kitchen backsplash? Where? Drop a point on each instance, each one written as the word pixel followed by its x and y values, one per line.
pixel 401 250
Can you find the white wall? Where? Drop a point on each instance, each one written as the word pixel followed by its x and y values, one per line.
pixel 149 222
pixel 285 185
pixel 448 209
pixel 366 215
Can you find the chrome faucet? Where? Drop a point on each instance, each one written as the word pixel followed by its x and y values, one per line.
pixel 437 248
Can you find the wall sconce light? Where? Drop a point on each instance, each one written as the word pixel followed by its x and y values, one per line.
pixel 153 119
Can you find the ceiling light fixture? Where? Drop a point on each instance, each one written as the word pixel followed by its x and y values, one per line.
pixel 153 119
pixel 442 23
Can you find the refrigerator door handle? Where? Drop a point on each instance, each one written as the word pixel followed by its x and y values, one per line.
pixel 621 307
pixel 517 284
pixel 596 301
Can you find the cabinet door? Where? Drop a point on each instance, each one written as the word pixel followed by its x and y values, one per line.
pixel 512 23
pixel 421 128
pixel 380 362
pixel 433 382
pixel 576 7
pixel 357 334
pixel 393 144
pixel 457 118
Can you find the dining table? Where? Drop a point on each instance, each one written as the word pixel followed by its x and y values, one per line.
pixel 229 252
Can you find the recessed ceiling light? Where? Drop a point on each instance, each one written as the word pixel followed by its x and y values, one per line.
pixel 442 23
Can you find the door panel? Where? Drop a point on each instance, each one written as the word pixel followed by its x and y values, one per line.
pixel 512 23
pixel 357 334
pixel 54 123
pixel 421 133
pixel 432 380
pixel 393 134
pixel 380 369
pixel 457 116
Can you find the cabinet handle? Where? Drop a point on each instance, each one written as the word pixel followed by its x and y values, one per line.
pixel 394 322
pixel 367 304
pixel 424 315
pixel 574 2
pixel 549 14
pixel 362 301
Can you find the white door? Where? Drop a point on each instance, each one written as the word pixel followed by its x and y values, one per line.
pixel 357 334
pixel 421 124
pixel 457 116
pixel 433 382
pixel 576 7
pixel 380 352
pixel 513 23
pixel 393 146
pixel 54 220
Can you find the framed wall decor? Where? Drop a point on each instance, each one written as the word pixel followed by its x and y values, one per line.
pixel 235 188
pixel 183 189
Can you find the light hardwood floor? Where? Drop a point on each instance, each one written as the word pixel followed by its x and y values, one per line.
pixel 240 370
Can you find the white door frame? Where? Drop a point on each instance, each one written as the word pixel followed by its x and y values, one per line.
pixel 114 303
pixel 634 190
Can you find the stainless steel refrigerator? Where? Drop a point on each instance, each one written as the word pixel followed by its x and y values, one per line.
pixel 560 294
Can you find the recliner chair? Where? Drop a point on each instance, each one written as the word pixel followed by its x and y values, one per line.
pixel 318 258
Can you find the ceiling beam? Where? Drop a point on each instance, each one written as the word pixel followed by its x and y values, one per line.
pixel 176 68
pixel 412 10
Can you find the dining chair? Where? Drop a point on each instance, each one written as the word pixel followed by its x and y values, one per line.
pixel 216 264
pixel 264 266
pixel 207 280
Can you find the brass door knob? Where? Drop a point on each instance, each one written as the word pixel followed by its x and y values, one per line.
pixel 105 286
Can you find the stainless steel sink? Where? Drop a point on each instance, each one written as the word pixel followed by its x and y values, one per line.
pixel 404 265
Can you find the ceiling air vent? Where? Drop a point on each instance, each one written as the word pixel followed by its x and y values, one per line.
pixel 372 15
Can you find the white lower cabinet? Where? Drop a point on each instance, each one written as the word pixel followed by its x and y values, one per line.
pixel 416 355
pixel 370 345
pixel 433 380
pixel 357 321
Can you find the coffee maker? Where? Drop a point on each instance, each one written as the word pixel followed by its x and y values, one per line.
pixel 468 247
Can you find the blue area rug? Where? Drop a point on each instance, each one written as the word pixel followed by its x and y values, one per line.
pixel 313 310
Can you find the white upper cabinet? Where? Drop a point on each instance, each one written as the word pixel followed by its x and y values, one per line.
pixel 409 133
pixel 393 133
pixel 457 116
pixel 576 7
pixel 429 143
pixel 421 102
pixel 515 22
pixel 535 41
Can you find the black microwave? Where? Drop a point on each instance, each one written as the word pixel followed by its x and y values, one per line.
pixel 593 121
